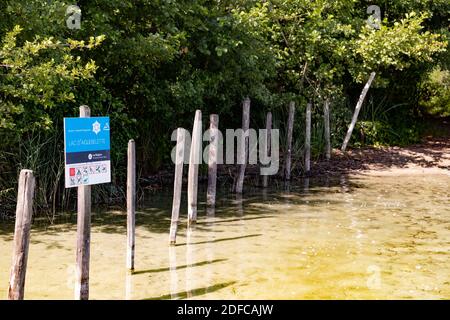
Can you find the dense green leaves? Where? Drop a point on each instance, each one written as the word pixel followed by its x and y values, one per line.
pixel 150 63
pixel 37 76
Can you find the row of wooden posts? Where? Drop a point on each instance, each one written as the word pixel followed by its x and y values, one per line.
pixel 27 185
pixel 26 188
pixel 195 153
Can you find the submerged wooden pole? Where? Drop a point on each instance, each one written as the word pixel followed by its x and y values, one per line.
pixel 357 109
pixel 131 204
pixel 243 152
pixel 173 273
pixel 190 278
pixel 290 129
pixel 268 143
pixel 212 160
pixel 83 233
pixel 194 161
pixel 128 286
pixel 177 184
pixel 24 212
pixel 326 119
pixel 308 139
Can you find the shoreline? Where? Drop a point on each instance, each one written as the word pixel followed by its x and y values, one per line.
pixel 431 157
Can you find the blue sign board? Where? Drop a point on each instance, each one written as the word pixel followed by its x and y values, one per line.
pixel 87 151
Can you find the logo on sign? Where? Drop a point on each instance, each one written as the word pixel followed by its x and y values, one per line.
pixel 96 127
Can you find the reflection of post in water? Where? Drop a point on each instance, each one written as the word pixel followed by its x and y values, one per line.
pixel 129 285
pixel 173 272
pixel 209 248
pixel 210 214
pixel 287 186
pixel 189 262
pixel 239 205
pixel 352 212
pixel 344 183
pixel 306 185
pixel 327 181
pixel 241 253
pixel 264 194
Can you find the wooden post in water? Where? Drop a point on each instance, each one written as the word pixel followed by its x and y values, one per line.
pixel 268 143
pixel 173 273
pixel 244 145
pixel 24 212
pixel 357 109
pixel 177 185
pixel 212 160
pixel 194 161
pixel 308 139
pixel 290 129
pixel 326 119
pixel 131 204
pixel 83 233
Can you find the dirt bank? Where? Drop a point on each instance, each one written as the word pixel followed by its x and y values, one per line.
pixel 430 157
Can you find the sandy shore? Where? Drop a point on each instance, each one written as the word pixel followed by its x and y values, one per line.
pixel 430 157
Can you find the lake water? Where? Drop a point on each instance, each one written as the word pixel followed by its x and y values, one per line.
pixel 349 238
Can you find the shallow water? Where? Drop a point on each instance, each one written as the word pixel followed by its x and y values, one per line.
pixel 353 238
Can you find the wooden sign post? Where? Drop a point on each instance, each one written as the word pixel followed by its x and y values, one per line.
pixel 83 233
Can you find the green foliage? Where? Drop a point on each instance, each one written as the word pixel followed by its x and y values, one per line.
pixel 435 99
pixel 396 47
pixel 149 64
pixel 37 76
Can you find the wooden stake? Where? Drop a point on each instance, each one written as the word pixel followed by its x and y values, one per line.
pixel 212 160
pixel 326 119
pixel 308 139
pixel 83 233
pixel 177 185
pixel 244 145
pixel 131 204
pixel 268 144
pixel 357 109
pixel 290 129
pixel 194 160
pixel 24 212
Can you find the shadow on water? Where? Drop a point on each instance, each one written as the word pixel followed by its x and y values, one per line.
pixel 219 240
pixel 232 220
pixel 194 292
pixel 198 264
